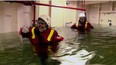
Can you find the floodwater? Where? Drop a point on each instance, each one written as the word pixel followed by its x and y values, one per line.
pixel 100 41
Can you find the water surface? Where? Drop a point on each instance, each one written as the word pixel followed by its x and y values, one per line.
pixel 102 40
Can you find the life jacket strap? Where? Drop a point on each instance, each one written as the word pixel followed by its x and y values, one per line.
pixel 50 35
pixel 33 34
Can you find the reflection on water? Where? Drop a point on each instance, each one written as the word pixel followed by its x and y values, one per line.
pixel 79 58
pixel 71 52
pixel 100 41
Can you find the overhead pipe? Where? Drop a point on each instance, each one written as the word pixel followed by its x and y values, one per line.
pixel 30 3
pixel 67 7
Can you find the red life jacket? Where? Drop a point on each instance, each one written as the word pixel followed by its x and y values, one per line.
pixel 85 26
pixel 49 37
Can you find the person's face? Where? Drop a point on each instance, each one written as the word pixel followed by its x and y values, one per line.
pixel 82 19
pixel 42 26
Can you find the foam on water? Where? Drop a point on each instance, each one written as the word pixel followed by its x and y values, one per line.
pixel 80 58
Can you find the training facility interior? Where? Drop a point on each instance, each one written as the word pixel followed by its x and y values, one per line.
pixel 15 50
pixel 14 15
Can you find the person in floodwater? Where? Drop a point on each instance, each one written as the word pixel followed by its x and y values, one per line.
pixel 82 25
pixel 42 37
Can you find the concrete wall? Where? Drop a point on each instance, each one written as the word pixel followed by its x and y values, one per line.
pixel 8 17
pixel 114 6
pixel 42 10
pixel 59 16
pixel 101 13
pixel 24 16
pixel 71 15
pixel 1 17
pixel 67 16
pixel 107 13
pixel 13 16
pixel 93 14
pixel 106 6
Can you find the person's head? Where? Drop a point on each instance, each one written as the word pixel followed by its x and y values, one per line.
pixel 82 17
pixel 43 23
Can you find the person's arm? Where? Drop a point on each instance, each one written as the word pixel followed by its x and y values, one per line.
pixel 90 26
pixel 73 26
pixel 55 41
pixel 57 38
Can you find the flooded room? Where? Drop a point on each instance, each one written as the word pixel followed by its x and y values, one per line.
pixel 57 32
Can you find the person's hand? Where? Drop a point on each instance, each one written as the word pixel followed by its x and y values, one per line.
pixel 25 29
pixel 60 38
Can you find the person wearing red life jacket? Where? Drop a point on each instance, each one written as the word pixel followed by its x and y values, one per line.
pixel 82 25
pixel 43 36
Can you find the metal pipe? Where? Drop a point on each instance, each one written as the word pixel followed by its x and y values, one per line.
pixel 50 8
pixel 67 7
pixel 34 13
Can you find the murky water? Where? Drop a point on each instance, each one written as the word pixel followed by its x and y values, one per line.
pixel 101 40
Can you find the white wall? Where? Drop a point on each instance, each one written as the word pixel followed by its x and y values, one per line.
pixel 24 16
pixel 62 16
pixel 93 14
pixel 8 17
pixel 42 10
pixel 104 17
pixel 108 12
pixel 13 16
pixel 101 13
pixel 71 15
pixel 57 14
